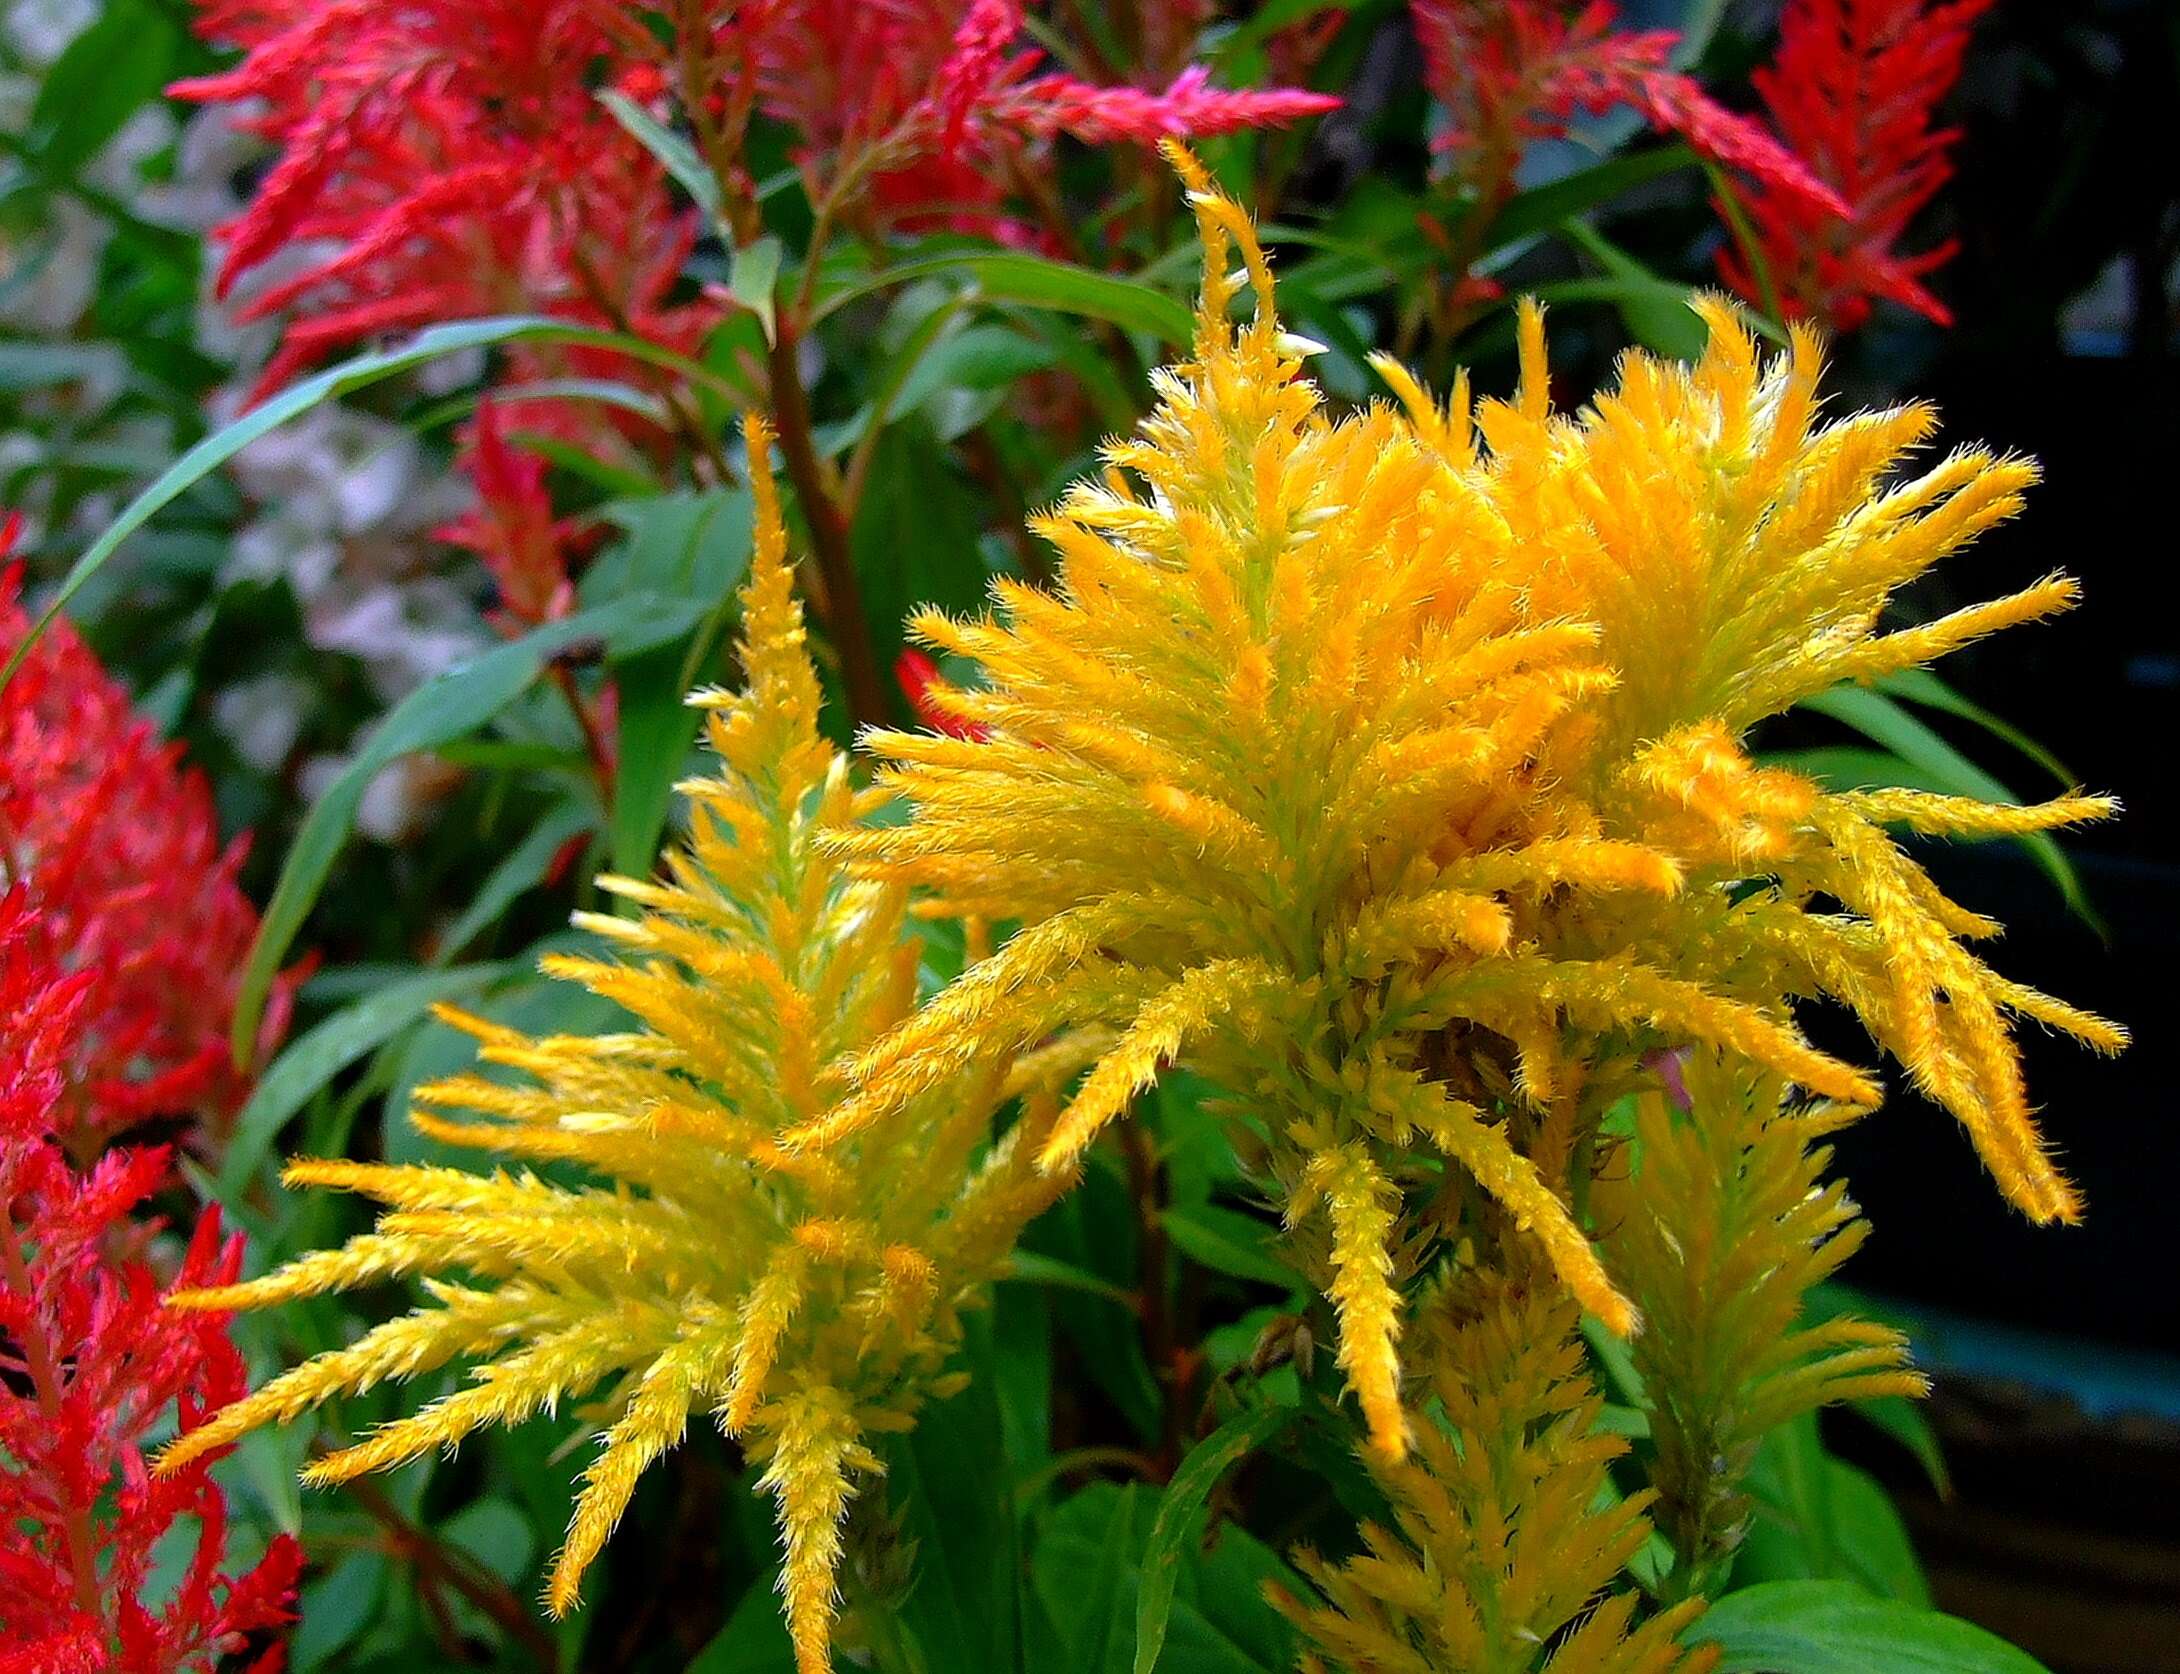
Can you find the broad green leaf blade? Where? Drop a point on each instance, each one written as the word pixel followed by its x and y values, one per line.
pixel 522 870
pixel 1228 1242
pixel 103 77
pixel 1029 1267
pixel 351 375
pixel 753 276
pixel 454 704
pixel 1901 1419
pixel 1655 310
pixel 1543 207
pixel 1038 282
pixel 317 1057
pixel 1178 1511
pixel 654 732
pixel 677 154
pixel 1834 1627
pixel 754 1641
pixel 1919 685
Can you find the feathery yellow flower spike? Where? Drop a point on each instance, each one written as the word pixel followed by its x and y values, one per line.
pixel 807 1302
pixel 1393 779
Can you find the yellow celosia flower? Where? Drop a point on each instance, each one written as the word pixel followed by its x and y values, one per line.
pixel 1723 1229
pixel 1394 779
pixel 805 1301
pixel 1507 1529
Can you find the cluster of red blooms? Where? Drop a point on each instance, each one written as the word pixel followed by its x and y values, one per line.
pixel 1852 90
pixel 442 159
pixel 116 847
pixel 91 1364
pixel 1848 158
pixel 512 529
pixel 1512 71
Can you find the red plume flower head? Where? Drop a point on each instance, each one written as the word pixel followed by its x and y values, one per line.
pixel 1853 89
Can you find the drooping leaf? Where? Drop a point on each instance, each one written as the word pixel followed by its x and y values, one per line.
pixel 1834 1627
pixel 457 702
pixel 315 1058
pixel 1180 1508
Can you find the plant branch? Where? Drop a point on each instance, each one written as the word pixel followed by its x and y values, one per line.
pixel 842 604
pixel 437 1562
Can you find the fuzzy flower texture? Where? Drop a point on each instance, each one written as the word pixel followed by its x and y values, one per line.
pixel 1388 770
pixel 117 908
pixel 806 1302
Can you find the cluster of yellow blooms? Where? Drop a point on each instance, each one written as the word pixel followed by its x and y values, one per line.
pixel 1389 770
pixel 807 1299
pixel 1507 1527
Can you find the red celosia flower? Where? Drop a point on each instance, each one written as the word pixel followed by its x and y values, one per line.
pixel 445 159
pixel 925 688
pixel 449 158
pixel 1512 71
pixel 930 100
pixel 93 1364
pixel 1852 90
pixel 116 846
pixel 512 527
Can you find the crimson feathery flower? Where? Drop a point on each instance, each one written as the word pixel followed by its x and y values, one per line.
pixel 1852 89
pixel 917 673
pixel 93 1366
pixel 1512 71
pixel 441 160
pixel 932 97
pixel 512 528
pixel 115 845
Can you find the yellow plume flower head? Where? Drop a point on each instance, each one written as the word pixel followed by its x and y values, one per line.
pixel 1389 770
pixel 805 1302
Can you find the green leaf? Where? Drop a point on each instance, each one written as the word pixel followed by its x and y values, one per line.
pixel 495 1533
pixel 754 276
pixel 522 869
pixel 676 153
pixel 336 381
pixel 654 733
pixel 1542 208
pixel 1919 685
pixel 105 75
pixel 1179 1508
pixel 1655 310
pixel 964 1608
pixel 1834 1627
pixel 1874 1545
pixel 1933 764
pixel 1903 1420
pixel 318 1056
pixel 336 1607
pixel 1029 1267
pixel 754 1641
pixel 1090 1565
pixel 1038 282
pixel 1228 1241
pixel 450 706
pixel 693 543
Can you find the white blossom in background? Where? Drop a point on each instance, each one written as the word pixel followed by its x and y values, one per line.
pixel 343 502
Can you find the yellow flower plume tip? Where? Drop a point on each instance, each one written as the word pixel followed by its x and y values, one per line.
pixel 805 1302
pixel 1433 720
